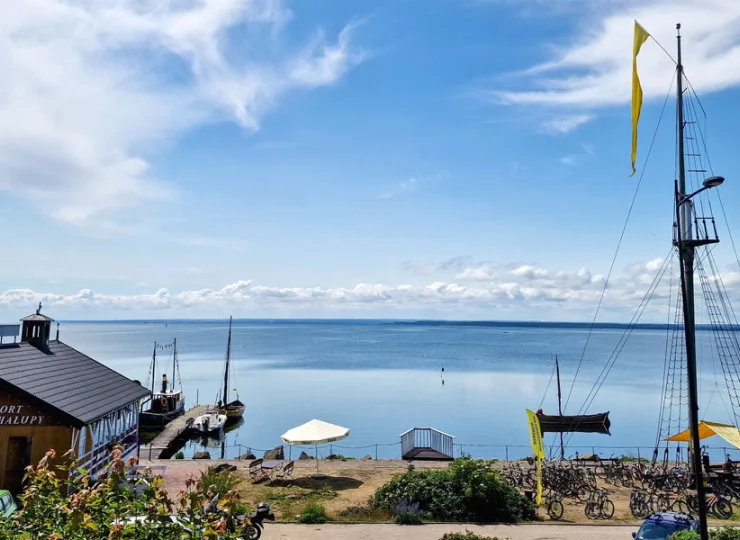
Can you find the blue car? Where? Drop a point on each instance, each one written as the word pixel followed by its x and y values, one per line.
pixel 661 525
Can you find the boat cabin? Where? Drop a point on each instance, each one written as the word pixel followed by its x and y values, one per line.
pixel 53 396
pixel 168 399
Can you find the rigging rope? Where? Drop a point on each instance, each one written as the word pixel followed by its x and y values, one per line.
pixel 548 387
pixel 619 243
pixel 606 370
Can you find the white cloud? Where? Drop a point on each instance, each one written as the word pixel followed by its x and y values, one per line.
pixel 568 160
pixel 523 287
pixel 404 187
pixel 593 68
pixel 94 87
pixel 566 124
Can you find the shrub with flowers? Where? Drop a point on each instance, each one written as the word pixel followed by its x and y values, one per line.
pixel 123 503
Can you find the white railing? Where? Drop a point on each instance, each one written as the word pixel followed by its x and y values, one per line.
pixel 427 438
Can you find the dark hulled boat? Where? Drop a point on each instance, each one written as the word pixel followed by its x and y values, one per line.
pixel 167 404
pixel 584 423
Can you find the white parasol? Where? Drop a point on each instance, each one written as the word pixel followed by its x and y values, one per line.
pixel 315 432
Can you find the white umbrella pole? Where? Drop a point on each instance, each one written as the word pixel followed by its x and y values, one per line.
pixel 317 459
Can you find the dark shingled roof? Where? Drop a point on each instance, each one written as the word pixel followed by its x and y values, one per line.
pixel 75 386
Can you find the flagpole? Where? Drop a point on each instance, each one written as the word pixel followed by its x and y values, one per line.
pixel 686 251
pixel 560 406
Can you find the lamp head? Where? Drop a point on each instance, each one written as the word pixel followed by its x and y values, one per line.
pixel 713 181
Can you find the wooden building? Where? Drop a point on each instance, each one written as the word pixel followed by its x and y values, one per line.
pixel 53 396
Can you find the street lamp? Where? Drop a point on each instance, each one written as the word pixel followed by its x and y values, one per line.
pixel 709 183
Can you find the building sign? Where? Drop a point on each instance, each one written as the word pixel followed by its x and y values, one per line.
pixel 20 415
pixel 13 413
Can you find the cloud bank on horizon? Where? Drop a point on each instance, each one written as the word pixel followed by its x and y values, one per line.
pixel 485 288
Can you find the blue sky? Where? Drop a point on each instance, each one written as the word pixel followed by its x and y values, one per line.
pixel 435 158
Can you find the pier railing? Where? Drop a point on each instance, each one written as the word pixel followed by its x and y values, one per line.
pixel 427 438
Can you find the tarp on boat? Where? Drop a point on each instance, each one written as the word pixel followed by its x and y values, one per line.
pixel 707 429
pixel 584 423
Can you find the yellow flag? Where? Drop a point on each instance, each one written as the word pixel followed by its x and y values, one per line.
pixel 641 36
pixel 535 435
pixel 538 447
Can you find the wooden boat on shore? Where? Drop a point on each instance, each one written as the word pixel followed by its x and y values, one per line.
pixel 584 423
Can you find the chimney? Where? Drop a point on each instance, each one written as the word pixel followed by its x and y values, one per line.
pixel 164 383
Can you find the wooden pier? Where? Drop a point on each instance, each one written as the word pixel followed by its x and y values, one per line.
pixel 173 436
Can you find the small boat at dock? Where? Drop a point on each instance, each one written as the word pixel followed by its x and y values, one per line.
pixel 233 410
pixel 212 422
pixel 168 403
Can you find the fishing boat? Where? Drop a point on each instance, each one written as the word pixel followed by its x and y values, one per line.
pixel 233 410
pixel 211 422
pixel 168 403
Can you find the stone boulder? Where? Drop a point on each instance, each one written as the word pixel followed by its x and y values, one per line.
pixel 202 455
pixel 224 467
pixel 367 458
pixel 304 456
pixel 248 456
pixel 276 454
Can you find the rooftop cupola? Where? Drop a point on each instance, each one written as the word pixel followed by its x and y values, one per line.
pixel 36 329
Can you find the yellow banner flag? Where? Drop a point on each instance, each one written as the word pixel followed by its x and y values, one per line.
pixel 535 435
pixel 538 447
pixel 641 36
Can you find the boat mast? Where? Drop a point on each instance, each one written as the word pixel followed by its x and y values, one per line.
pixel 226 371
pixel 560 406
pixel 686 250
pixel 154 365
pixel 174 362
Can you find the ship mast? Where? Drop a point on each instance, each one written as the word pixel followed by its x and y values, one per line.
pixel 686 245
pixel 226 371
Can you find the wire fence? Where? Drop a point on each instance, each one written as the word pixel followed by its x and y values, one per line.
pixel 501 452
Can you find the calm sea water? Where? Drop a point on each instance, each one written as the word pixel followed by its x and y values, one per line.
pixel 381 378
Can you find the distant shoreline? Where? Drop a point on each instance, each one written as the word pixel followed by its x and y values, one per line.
pixel 409 322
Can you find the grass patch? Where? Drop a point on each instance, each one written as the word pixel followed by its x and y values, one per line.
pixel 223 481
pixel 467 535
pixel 313 513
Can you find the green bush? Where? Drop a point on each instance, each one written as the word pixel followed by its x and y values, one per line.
pixel 104 509
pixel 180 455
pixel 469 490
pixel 685 535
pixel 313 513
pixel 222 482
pixel 727 533
pixel 467 535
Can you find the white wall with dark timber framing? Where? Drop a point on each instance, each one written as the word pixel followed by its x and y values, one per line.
pixel 94 442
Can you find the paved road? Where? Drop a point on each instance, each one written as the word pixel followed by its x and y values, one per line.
pixel 434 532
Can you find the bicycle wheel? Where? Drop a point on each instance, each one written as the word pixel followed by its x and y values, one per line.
pixel 692 503
pixel 680 506
pixel 591 510
pixel 722 509
pixel 555 510
pixel 583 493
pixel 640 509
pixel 607 509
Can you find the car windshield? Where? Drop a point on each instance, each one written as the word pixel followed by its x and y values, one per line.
pixel 658 531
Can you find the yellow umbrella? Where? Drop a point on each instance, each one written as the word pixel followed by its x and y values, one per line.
pixel 707 429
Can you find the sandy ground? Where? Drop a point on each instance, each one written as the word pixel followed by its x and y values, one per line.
pixel 434 532
pixel 347 483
